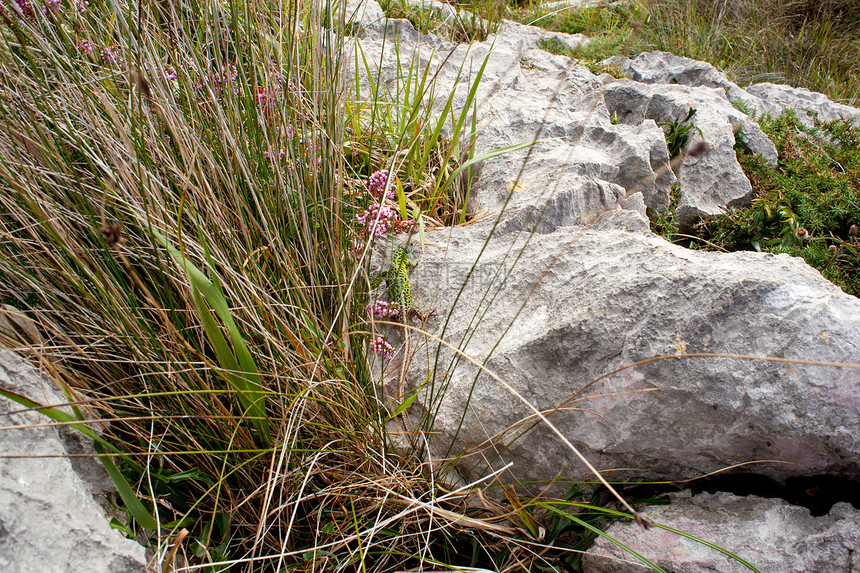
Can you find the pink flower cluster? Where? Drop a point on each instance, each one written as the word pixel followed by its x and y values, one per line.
pixel 383 309
pixel 272 156
pixel 382 348
pixel 26 9
pixel 407 226
pixel 357 248
pixel 109 55
pixel 23 5
pixel 378 219
pixel 51 7
pixel 377 182
pixel 220 80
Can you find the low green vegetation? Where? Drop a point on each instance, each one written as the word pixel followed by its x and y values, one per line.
pixel 808 205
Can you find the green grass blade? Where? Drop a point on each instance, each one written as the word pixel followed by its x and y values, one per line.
pixel 725 552
pixel 622 514
pixel 57 415
pixel 403 406
pixel 242 372
pixel 490 155
pixel 132 502
pixel 602 533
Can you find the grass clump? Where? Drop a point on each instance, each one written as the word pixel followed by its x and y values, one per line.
pixel 178 218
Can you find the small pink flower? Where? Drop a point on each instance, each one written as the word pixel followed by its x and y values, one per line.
pixel 378 219
pixel 26 9
pixel 408 226
pixel 86 47
pixel 273 156
pixel 109 55
pixel 377 182
pixel 383 309
pixel 170 74
pixel 382 348
pixel 51 7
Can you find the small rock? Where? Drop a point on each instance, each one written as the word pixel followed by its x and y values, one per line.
pixel 770 534
pixel 806 104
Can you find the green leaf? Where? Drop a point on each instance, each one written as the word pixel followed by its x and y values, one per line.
pixel 401 198
pixel 725 552
pixel 602 533
pixel 140 514
pixel 403 405
pixel 56 414
pixel 490 155
pixel 124 529
pixel 239 366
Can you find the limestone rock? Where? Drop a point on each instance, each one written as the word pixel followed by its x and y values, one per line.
pixel 806 104
pixel 564 313
pixel 565 320
pixel 581 165
pixel 768 533
pixel 49 521
pixel 712 180
pixel 665 68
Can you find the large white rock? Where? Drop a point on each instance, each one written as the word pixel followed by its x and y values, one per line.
pixel 578 304
pixel 49 521
pixel 771 534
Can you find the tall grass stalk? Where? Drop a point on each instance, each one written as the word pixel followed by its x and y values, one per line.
pixel 173 213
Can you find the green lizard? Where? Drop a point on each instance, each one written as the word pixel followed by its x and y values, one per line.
pixel 397 279
pixel 400 293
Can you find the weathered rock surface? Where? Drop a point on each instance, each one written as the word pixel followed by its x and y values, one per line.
pixel 769 533
pixel 581 304
pixel 49 521
pixel 582 164
pixel 665 68
pixel 763 98
pixel 710 180
pixel 806 104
